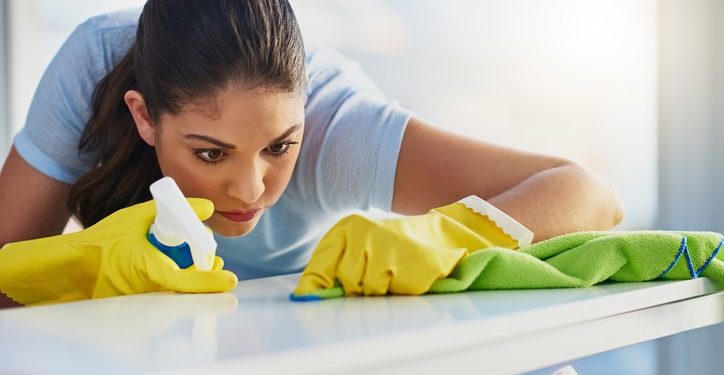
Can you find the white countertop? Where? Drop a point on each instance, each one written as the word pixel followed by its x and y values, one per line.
pixel 256 329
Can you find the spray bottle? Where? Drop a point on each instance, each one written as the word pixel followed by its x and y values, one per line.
pixel 177 231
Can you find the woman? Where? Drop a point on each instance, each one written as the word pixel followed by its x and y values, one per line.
pixel 221 96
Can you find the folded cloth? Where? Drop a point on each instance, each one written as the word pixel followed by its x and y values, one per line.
pixel 583 259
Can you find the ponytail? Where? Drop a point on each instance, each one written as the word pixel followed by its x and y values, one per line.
pixel 124 166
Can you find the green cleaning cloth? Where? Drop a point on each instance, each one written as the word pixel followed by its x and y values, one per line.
pixel 583 259
pixel 586 258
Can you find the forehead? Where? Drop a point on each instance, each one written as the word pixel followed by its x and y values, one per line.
pixel 237 114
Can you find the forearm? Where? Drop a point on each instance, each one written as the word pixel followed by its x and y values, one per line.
pixel 6 301
pixel 34 205
pixel 562 200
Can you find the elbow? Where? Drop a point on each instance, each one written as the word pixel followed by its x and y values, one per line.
pixel 616 209
pixel 606 207
pixel 611 209
pixel 620 207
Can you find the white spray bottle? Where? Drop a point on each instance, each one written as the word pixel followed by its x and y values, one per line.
pixel 177 231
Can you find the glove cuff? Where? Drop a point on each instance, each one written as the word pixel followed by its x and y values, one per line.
pixel 48 270
pixel 510 226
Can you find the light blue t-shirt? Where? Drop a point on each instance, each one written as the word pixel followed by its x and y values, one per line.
pixel 347 161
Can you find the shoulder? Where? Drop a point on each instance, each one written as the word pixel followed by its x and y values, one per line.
pixel 62 102
pixel 119 19
pixel 330 70
pixel 352 137
pixel 106 38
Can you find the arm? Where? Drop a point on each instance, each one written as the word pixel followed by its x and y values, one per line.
pixel 5 301
pixel 34 205
pixel 33 202
pixel 549 195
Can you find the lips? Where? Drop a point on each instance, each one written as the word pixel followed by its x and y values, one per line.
pixel 240 216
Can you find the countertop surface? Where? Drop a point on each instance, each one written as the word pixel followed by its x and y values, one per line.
pixel 256 328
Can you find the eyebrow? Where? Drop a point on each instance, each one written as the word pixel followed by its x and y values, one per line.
pixel 229 146
pixel 287 133
pixel 208 139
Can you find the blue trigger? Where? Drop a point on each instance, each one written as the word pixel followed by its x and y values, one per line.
pixel 181 254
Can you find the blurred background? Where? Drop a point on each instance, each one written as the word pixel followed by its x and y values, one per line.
pixel 632 88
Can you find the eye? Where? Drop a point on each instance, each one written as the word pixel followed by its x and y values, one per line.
pixel 209 156
pixel 279 149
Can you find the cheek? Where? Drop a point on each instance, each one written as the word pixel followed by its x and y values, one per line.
pixel 188 173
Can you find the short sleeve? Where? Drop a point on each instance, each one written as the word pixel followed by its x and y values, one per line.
pixel 61 105
pixel 352 138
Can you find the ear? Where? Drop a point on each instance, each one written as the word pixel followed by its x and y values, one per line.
pixel 137 107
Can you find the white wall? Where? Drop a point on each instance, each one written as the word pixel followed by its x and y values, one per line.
pixel 692 114
pixel 5 132
pixel 691 103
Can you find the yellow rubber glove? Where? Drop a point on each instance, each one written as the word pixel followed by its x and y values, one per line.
pixel 404 255
pixel 111 258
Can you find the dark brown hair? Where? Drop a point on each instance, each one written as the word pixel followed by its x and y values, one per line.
pixel 185 51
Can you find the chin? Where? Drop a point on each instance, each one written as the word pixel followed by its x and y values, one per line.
pixel 237 230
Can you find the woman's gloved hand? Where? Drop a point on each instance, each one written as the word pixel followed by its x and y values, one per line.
pixel 111 258
pixel 360 255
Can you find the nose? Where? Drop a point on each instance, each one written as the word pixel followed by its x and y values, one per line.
pixel 247 184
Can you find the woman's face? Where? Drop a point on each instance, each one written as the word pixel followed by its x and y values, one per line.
pixel 237 150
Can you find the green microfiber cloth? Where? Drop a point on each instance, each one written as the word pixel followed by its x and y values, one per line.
pixel 586 258
pixel 583 259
